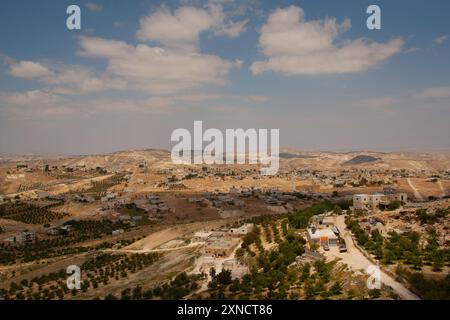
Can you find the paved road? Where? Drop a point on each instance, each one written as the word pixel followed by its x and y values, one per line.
pixel 357 261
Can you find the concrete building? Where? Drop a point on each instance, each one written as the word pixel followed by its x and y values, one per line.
pixel 322 221
pixel 117 232
pixel 221 247
pixel 373 225
pixel 324 236
pixel 241 231
pixel 377 201
pixel 25 237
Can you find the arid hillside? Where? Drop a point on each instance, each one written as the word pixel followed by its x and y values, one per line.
pixel 123 160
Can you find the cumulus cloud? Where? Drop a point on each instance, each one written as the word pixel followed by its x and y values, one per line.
pixel 39 103
pixel 63 79
pixel 78 79
pixel 93 47
pixel 28 70
pixel 180 30
pixel 155 69
pixel 171 65
pixel 151 70
pixel 440 40
pixel 25 98
pixel 294 46
pixel 435 93
pixel 33 103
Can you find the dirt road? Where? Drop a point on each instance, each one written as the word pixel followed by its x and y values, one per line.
pixel 443 194
pixel 147 250
pixel 156 239
pixel 417 194
pixel 357 261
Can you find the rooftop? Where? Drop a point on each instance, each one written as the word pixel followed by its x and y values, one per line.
pixel 321 233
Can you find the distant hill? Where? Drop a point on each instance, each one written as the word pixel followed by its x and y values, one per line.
pixel 360 160
pixel 286 155
pixel 289 159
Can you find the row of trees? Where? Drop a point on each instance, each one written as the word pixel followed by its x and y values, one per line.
pixel 270 273
pixel 178 288
pixel 403 248
pixel 427 288
pixel 433 217
pixel 96 271
pixel 300 219
pixel 63 244
pixel 28 213
pixel 99 188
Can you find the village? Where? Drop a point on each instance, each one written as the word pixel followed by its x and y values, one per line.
pixel 212 216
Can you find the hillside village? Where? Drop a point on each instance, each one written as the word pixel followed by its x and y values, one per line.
pixel 223 222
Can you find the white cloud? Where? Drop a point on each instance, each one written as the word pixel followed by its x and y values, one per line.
pixel 39 103
pixel 167 75
pixel 34 103
pixel 157 70
pixel 77 79
pixel 100 48
pixel 94 7
pixel 295 46
pixel 28 70
pixel 440 40
pixel 435 93
pixel 27 98
pixel 176 66
pixel 63 79
pixel 181 29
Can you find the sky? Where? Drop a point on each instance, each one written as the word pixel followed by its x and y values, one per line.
pixel 139 69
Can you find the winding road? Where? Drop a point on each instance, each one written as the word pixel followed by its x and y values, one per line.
pixel 356 260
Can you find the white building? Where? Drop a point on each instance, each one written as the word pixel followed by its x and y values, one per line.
pixel 117 232
pixel 242 230
pixel 324 236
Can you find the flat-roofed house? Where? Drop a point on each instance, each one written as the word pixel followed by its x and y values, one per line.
pixel 375 201
pixel 241 231
pixel 221 247
pixel 324 236
pixel 25 237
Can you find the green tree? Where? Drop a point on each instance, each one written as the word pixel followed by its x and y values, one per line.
pixel 336 289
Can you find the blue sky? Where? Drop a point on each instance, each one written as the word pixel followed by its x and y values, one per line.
pixel 139 69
